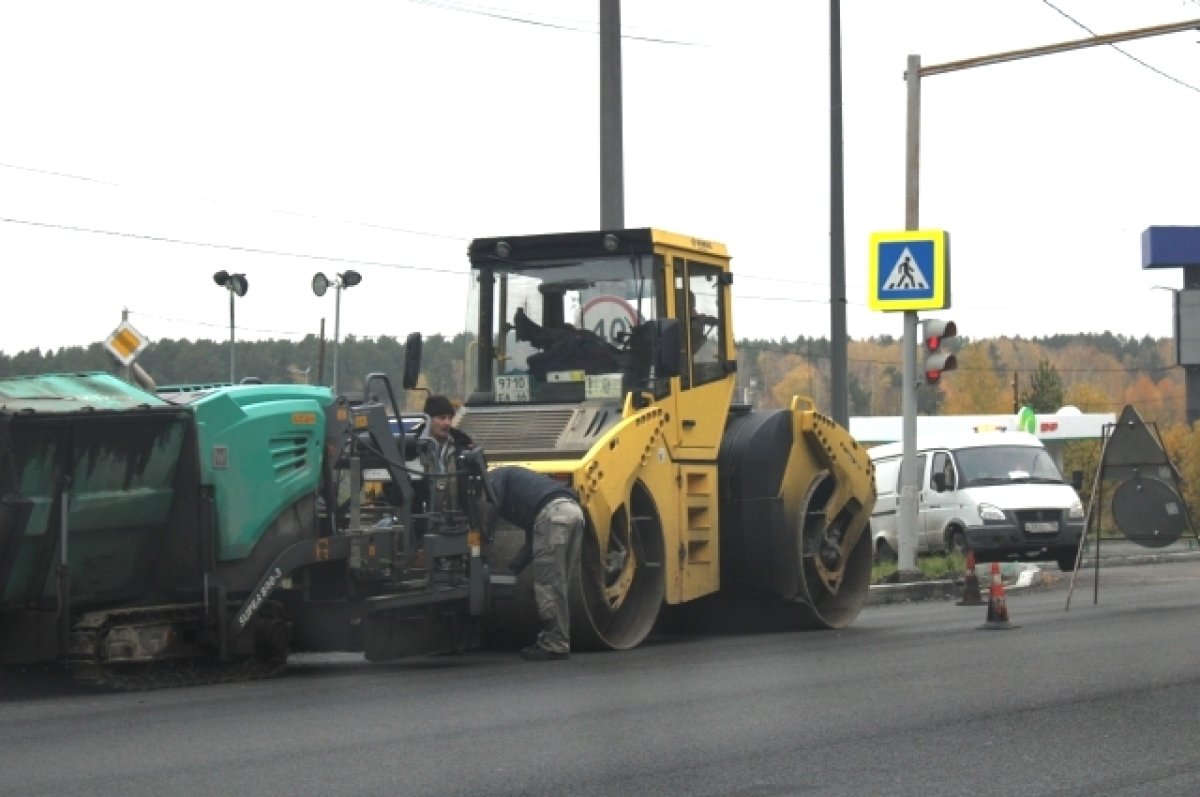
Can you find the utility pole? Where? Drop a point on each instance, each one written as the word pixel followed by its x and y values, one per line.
pixel 838 386
pixel 612 159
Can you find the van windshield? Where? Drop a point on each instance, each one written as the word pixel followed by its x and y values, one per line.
pixel 1006 464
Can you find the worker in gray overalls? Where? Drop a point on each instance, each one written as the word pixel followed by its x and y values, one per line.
pixel 550 514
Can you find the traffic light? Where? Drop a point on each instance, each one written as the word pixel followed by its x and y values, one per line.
pixel 934 334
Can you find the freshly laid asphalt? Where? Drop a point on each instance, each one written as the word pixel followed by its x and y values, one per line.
pixel 1026 575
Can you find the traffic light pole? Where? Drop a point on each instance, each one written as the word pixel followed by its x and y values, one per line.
pixel 906 563
pixel 909 479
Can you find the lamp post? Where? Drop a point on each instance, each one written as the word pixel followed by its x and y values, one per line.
pixel 909 479
pixel 320 284
pixel 237 285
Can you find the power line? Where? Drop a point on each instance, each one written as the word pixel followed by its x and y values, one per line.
pixel 335 259
pixel 371 225
pixel 509 16
pixel 217 325
pixel 55 174
pixel 350 261
pixel 230 247
pixel 750 345
pixel 221 201
pixel 1125 53
pixel 821 300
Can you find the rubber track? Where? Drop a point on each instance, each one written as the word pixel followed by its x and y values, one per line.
pixel 171 673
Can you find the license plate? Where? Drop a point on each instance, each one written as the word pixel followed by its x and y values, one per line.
pixel 512 389
pixel 1041 527
pixel 602 386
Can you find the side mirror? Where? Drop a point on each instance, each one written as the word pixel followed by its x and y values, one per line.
pixel 1077 480
pixel 412 360
pixel 939 482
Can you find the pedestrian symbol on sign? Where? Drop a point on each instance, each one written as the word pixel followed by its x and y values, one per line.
pixel 905 275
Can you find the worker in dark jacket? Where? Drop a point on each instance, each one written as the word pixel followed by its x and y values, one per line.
pixel 448 440
pixel 550 514
pixel 441 493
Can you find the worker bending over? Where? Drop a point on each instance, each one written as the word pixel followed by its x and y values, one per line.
pixel 550 514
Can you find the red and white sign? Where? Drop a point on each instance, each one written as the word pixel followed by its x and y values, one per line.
pixel 610 317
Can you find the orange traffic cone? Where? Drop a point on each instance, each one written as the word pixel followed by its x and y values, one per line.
pixel 997 615
pixel 971 595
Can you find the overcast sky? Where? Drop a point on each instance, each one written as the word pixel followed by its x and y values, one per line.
pixel 147 145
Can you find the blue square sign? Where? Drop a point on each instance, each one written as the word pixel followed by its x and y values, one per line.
pixel 910 270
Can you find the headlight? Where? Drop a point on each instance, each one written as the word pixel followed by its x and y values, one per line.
pixel 990 512
pixel 1076 511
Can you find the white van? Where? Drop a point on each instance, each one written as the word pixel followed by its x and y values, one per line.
pixel 998 494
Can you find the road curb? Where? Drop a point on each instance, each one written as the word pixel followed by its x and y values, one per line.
pixel 880 594
pixel 1137 559
pixel 1016 578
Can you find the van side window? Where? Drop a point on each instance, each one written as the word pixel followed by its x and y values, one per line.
pixel 887 476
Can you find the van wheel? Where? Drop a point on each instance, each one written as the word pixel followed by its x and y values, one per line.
pixel 958 542
pixel 1066 559
pixel 884 553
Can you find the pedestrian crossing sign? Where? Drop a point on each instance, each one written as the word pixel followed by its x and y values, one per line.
pixel 910 270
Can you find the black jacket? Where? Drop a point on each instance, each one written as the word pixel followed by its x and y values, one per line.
pixel 521 493
pixel 461 439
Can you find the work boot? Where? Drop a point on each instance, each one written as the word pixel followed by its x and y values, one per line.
pixel 539 653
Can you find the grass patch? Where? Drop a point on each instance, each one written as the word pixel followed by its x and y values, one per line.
pixel 940 566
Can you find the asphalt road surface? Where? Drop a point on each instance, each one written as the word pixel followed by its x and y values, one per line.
pixel 912 699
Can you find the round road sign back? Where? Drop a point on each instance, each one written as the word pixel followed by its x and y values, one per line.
pixel 1148 512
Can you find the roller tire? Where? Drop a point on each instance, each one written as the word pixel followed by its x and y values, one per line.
pixel 821 609
pixel 512 622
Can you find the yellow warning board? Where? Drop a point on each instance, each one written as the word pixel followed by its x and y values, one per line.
pixel 126 343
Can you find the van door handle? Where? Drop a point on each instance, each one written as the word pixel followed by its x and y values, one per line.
pixel 688 424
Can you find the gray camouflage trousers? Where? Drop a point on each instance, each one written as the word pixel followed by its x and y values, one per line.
pixel 556 538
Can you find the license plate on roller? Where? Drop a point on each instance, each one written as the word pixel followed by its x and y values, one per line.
pixel 1041 527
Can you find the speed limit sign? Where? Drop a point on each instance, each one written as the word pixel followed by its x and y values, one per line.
pixel 610 317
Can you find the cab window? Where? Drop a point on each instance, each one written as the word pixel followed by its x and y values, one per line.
pixel 699 310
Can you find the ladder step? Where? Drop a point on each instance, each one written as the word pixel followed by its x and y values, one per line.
pixel 504 585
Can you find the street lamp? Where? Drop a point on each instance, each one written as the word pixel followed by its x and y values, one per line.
pixel 320 284
pixel 237 285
